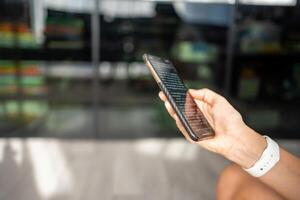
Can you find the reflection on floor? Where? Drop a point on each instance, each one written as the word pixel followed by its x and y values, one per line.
pixel 114 122
pixel 38 169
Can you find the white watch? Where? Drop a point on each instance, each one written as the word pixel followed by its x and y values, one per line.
pixel 268 159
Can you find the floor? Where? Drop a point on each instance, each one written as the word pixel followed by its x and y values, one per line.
pixel 42 169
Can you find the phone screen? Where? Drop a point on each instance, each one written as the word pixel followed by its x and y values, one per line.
pixel 182 102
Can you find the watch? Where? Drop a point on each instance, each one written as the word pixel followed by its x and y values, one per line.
pixel 267 161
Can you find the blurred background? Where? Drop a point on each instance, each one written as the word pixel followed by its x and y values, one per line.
pixel 79 111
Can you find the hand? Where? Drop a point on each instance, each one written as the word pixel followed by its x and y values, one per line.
pixel 233 138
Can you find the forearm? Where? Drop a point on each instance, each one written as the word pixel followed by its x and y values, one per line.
pixel 284 177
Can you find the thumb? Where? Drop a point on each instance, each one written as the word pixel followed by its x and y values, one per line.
pixel 206 95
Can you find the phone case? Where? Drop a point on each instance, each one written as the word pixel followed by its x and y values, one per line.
pixel 183 104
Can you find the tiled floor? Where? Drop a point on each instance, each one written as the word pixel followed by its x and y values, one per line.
pixel 38 169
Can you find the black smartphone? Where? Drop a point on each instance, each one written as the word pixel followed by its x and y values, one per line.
pixel 191 117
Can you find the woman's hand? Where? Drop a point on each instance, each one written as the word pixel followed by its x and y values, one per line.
pixel 239 143
pixel 233 139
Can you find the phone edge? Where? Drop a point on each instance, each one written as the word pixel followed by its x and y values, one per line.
pixel 184 122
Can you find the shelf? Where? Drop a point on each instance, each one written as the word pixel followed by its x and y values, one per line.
pixel 59 54
pixel 272 57
pixel 124 101
pixel 22 97
pixel 269 102
pixel 45 54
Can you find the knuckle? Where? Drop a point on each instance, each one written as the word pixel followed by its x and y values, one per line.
pixel 204 90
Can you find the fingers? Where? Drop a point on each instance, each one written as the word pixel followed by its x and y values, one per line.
pixel 162 96
pixel 206 110
pixel 170 109
pixel 174 116
pixel 206 95
pixel 167 104
pixel 182 129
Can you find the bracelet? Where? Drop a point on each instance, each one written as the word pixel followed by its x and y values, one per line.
pixel 268 159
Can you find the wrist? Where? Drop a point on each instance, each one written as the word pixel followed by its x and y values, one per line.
pixel 247 147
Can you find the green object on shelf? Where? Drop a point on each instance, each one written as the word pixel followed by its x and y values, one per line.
pixel 23 63
pixel 7 80
pixel 196 52
pixel 25 40
pixel 26 80
pixel 30 108
pixel 259 37
pixel 29 63
pixel 32 80
pixel 6 64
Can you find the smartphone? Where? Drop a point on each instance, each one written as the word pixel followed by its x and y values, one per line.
pixel 167 78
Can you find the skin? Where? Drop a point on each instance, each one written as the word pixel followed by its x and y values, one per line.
pixel 235 184
pixel 240 144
